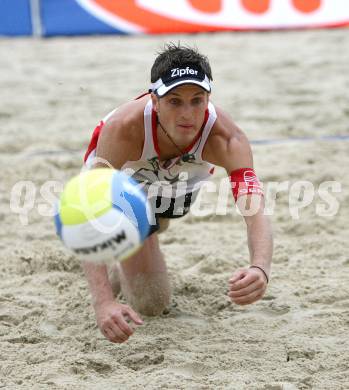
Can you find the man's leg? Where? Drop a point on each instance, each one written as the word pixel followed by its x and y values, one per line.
pixel 143 278
pixel 164 224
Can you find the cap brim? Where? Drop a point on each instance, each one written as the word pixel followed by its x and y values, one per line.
pixel 163 90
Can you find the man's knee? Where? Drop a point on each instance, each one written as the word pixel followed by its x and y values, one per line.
pixel 150 294
pixel 152 304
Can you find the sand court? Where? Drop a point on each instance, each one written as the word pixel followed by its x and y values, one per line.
pixel 279 85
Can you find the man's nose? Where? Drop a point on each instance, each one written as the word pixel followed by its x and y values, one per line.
pixel 186 111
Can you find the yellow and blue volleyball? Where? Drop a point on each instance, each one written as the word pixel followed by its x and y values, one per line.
pixel 102 216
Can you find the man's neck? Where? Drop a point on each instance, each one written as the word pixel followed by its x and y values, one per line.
pixel 168 147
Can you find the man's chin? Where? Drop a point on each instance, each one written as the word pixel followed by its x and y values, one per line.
pixel 188 130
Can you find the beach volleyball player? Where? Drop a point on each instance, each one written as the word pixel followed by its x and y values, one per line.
pixel 170 139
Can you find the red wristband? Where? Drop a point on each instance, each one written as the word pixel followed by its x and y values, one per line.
pixel 244 181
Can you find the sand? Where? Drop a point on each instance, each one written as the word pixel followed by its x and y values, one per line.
pixel 275 86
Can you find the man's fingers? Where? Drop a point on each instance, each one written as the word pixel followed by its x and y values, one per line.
pixel 242 283
pixel 109 334
pixel 112 320
pixel 250 298
pixel 124 326
pixel 237 275
pixel 248 288
pixel 245 291
pixel 117 332
pixel 132 315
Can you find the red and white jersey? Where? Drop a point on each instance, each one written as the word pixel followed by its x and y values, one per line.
pixel 171 178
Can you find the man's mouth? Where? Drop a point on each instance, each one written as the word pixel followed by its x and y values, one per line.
pixel 186 126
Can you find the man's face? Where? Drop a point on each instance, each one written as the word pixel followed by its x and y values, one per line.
pixel 182 111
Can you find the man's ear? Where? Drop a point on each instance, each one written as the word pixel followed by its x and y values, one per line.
pixel 155 101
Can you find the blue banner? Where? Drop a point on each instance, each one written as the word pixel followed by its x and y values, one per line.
pixel 82 17
pixel 15 17
pixel 67 17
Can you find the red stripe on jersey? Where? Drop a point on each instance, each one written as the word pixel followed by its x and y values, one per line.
pixel 143 94
pixel 94 140
pixel 154 124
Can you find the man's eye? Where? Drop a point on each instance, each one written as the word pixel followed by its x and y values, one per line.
pixel 197 101
pixel 176 102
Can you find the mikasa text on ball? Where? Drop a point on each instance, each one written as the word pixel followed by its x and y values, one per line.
pixel 103 215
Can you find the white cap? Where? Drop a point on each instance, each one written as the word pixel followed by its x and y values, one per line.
pixel 180 76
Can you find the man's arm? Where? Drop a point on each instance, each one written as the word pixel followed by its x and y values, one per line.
pixel 249 285
pixel 260 240
pixel 229 148
pixel 120 140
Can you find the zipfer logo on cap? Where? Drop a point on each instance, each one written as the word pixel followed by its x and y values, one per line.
pixel 181 72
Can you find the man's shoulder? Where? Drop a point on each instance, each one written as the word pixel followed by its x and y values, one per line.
pixel 224 131
pixel 122 136
pixel 127 121
pixel 225 138
pixel 224 126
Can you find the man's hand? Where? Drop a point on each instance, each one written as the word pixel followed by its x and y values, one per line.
pixel 247 285
pixel 111 320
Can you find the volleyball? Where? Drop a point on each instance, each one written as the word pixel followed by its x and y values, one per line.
pixel 102 216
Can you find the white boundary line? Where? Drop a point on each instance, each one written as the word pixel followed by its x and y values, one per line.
pixel 36 18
